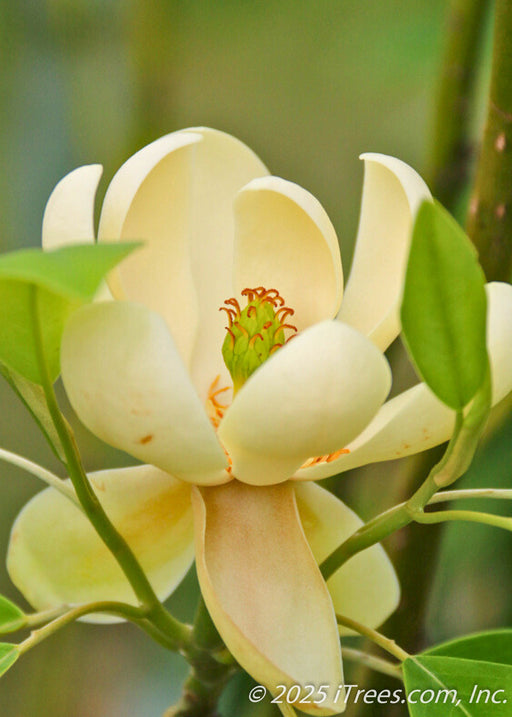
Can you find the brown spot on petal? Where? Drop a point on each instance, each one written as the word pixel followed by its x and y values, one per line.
pixel 140 412
pixel 98 483
pixel 146 439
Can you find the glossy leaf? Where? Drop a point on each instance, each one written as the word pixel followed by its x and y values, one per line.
pixel 438 686
pixel 492 646
pixel 34 399
pixel 44 288
pixel 11 617
pixel 444 308
pixel 8 656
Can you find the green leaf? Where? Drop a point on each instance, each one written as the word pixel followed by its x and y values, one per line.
pixel 43 288
pixel 491 646
pixel 11 617
pixel 71 271
pixel 34 399
pixel 8 656
pixel 444 308
pixel 439 686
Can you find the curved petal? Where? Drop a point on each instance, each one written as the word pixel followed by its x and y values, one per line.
pixel 150 199
pixel 416 420
pixel 69 213
pixel 127 383
pixel 55 556
pixel 392 194
pixel 413 421
pixel 263 588
pixel 311 397
pixel 285 240
pixel 222 166
pixel 366 588
pixel 499 337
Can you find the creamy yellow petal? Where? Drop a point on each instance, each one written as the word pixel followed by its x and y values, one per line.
pixel 312 396
pixel 69 213
pixel 285 240
pixel 415 419
pixel 392 194
pixel 222 165
pixel 127 383
pixel 149 199
pixel 263 588
pixel 55 556
pixel 366 588
pixel 499 338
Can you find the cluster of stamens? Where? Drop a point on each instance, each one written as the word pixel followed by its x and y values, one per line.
pixel 216 409
pixel 328 458
pixel 254 332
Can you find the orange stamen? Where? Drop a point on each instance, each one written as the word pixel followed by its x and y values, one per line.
pixel 253 340
pixel 286 311
pixel 234 302
pixel 231 314
pixel 329 458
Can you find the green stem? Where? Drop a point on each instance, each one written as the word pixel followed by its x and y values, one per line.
pixel 41 618
pixel 470 493
pixel 490 218
pixel 111 607
pixel 451 146
pixel 378 638
pixel 175 630
pixel 470 516
pixel 36 470
pixel 374 663
pixel 204 633
pixel 211 667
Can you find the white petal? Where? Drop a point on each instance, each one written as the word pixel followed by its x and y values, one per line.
pixel 411 422
pixel 149 199
pixel 127 383
pixel 499 338
pixel 69 213
pixel 285 240
pixel 416 420
pixel 222 166
pixel 311 397
pixel 264 591
pixel 392 194
pixel 55 556
pixel 366 588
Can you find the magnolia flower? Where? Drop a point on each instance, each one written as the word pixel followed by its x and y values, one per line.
pixel 145 371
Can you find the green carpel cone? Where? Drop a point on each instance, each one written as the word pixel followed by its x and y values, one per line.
pixel 254 333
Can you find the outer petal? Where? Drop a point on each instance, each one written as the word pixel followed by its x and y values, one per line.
pixel 150 199
pixel 263 588
pixel 69 213
pixel 366 588
pixel 55 556
pixel 127 383
pixel 392 194
pixel 311 397
pixel 177 194
pixel 285 240
pixel 416 420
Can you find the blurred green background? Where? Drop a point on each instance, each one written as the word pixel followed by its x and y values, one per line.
pixel 307 85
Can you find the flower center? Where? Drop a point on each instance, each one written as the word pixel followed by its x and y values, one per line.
pixel 255 332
